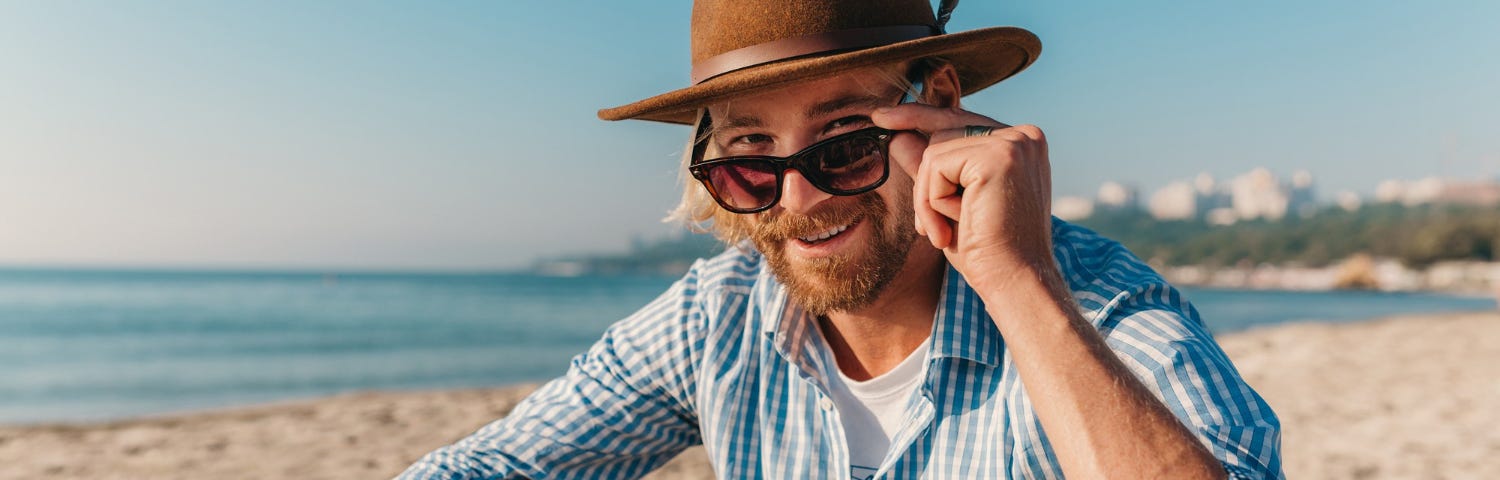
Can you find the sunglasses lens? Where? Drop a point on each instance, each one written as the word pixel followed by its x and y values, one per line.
pixel 849 165
pixel 745 185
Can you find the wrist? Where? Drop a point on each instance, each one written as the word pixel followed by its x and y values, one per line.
pixel 1026 293
pixel 1006 274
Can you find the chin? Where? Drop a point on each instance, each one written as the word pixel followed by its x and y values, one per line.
pixel 840 282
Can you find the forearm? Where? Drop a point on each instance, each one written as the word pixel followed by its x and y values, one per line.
pixel 1101 420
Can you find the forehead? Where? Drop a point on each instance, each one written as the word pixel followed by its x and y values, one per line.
pixel 865 89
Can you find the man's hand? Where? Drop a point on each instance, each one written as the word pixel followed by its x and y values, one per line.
pixel 984 200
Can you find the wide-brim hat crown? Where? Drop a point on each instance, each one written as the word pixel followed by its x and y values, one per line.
pixel 741 47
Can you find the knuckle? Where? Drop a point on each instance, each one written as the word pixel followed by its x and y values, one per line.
pixel 1032 131
pixel 1007 147
pixel 956 117
pixel 1011 136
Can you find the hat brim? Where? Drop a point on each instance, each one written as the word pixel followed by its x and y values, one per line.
pixel 982 57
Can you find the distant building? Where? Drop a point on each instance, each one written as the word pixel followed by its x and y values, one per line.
pixel 1115 196
pixel 1423 191
pixel 1210 195
pixel 1349 201
pixel 1072 208
pixel 1204 184
pixel 1478 194
pixel 1258 194
pixel 1303 199
pixel 1221 216
pixel 1390 191
pixel 1438 191
pixel 1176 201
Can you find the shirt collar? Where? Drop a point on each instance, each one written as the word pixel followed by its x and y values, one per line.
pixel 791 329
pixel 962 328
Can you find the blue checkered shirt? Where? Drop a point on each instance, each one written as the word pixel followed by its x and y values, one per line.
pixel 724 360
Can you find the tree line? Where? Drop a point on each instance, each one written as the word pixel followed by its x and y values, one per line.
pixel 1418 236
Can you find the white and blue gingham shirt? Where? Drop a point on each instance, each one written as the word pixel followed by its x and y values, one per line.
pixel 723 359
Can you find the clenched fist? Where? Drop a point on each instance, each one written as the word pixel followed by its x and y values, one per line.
pixel 982 195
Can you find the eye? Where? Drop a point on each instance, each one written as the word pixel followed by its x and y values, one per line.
pixel 751 139
pixel 847 124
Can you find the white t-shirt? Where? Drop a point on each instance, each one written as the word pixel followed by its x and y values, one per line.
pixel 873 410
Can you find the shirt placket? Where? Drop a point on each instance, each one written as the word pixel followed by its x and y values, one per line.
pixel 793 343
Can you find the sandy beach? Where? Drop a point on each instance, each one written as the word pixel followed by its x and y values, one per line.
pixel 1409 397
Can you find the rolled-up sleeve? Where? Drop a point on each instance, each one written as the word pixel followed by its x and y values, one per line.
pixel 1165 344
pixel 623 409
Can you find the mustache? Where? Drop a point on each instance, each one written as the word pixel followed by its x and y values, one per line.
pixel 783 225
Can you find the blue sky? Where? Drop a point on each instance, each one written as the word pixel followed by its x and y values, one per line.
pixel 462 135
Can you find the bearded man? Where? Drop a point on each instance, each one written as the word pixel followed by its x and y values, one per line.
pixel 898 303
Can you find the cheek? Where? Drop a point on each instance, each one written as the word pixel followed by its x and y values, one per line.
pixel 734 226
pixel 897 192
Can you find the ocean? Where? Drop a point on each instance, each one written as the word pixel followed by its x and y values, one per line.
pixel 80 345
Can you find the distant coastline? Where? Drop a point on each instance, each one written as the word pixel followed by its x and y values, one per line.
pixel 669 256
pixel 1466 278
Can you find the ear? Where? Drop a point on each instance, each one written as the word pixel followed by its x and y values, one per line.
pixel 943 89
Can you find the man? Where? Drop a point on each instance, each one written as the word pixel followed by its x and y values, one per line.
pixel 902 304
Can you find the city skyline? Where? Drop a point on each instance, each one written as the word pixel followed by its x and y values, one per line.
pixel 462 135
pixel 1262 194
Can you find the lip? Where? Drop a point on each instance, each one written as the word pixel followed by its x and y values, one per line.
pixel 825 247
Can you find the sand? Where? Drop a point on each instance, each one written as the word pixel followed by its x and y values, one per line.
pixel 1411 397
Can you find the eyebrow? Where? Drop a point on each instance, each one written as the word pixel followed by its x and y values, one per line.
pixel 837 104
pixel 817 110
pixel 739 122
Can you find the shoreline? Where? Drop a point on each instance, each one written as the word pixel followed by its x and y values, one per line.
pixel 1410 396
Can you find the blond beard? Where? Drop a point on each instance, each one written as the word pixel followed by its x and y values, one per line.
pixel 844 281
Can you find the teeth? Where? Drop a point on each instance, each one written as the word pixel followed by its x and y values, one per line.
pixel 824 236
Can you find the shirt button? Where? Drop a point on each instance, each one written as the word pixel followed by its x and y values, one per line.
pixel 826 404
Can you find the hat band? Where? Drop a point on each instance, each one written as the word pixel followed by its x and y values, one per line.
pixel 806 45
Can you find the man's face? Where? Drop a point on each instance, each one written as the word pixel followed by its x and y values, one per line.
pixel 834 253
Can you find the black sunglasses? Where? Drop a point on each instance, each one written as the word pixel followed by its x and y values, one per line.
pixel 847 164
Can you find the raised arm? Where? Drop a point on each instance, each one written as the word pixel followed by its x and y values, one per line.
pixel 982 195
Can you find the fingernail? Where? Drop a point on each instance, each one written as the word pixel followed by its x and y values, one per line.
pixel 882 110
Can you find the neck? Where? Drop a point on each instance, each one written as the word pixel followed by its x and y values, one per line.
pixel 870 341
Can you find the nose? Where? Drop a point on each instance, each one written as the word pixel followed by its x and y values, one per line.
pixel 799 196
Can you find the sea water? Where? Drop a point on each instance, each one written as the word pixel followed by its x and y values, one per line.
pixel 89 345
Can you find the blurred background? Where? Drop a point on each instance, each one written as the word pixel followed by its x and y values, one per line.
pixel 212 204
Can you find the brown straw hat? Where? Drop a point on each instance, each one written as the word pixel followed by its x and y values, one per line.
pixel 747 46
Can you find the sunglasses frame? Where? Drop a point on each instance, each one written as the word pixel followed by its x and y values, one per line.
pixel 699 168
pixel 814 176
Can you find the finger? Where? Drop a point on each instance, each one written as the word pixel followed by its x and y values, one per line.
pixel 940 228
pixel 950 206
pixel 927 119
pixel 943 199
pixel 906 151
pixel 917 204
pixel 941 191
pixel 960 134
pixel 945 163
pixel 929 222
